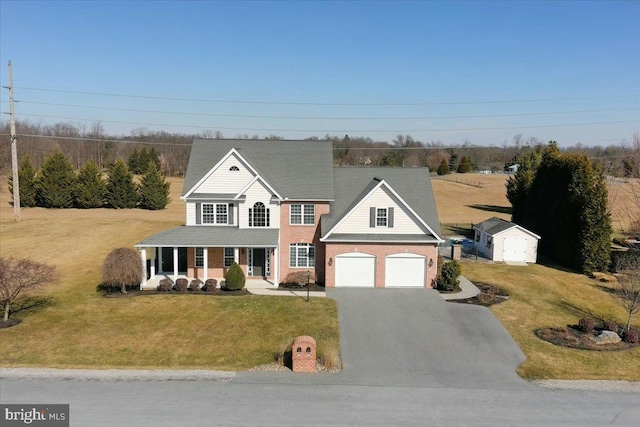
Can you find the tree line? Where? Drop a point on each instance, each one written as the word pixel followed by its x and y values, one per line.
pixel 57 184
pixel 81 143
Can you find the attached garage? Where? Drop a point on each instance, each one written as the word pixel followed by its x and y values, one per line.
pixel 355 269
pixel 405 270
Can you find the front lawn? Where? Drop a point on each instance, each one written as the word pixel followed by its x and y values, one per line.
pixel 541 297
pixel 76 327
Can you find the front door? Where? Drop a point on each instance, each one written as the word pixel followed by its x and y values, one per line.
pixel 258 262
pixel 167 260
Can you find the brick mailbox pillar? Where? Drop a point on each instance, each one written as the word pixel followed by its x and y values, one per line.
pixel 456 251
pixel 303 354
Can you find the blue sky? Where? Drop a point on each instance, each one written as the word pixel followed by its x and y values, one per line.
pixel 291 68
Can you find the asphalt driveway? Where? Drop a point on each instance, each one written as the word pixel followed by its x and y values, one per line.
pixel 412 337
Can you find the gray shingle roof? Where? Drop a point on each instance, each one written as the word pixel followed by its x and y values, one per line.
pixel 295 169
pixel 352 184
pixel 209 236
pixel 494 225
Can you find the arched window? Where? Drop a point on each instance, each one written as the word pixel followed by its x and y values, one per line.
pixel 234 168
pixel 258 215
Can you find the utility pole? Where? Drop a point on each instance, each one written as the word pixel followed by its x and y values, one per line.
pixel 14 151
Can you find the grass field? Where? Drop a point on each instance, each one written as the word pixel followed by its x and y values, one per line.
pixel 79 328
pixel 542 296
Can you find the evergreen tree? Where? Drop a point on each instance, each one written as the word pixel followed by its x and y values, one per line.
pixel 464 166
pixel 443 169
pixel 91 189
pixel 565 202
pixel 133 162
pixel 27 183
pixel 519 184
pixel 56 184
pixel 154 189
pixel 121 191
pixel 153 157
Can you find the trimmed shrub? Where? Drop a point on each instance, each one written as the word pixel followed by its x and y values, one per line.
pixel 235 279
pixel 630 336
pixel 195 285
pixel 181 285
pixel 612 326
pixel 448 279
pixel 165 285
pixel 443 168
pixel 210 285
pixel 586 325
pixel 299 278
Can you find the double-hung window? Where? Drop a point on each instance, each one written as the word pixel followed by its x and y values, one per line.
pixel 381 217
pixel 215 213
pixel 302 255
pixel 199 258
pixel 302 214
pixel 229 257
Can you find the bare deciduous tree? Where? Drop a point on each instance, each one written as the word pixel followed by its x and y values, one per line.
pixel 122 268
pixel 629 290
pixel 21 277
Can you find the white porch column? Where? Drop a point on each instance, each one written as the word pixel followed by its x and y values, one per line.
pixel 160 261
pixel 175 264
pixel 276 268
pixel 143 258
pixel 205 263
pixel 236 255
pixel 152 273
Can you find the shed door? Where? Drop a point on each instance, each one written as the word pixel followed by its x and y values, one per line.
pixel 404 270
pixel 514 249
pixel 356 270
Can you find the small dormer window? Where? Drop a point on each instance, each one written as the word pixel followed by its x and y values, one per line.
pixel 234 169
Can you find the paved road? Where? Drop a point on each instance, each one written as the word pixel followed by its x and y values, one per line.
pixel 207 403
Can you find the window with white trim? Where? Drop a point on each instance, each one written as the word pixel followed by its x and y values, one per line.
pixel 215 213
pixel 302 255
pixel 229 257
pixel 302 214
pixel 199 258
pixel 489 241
pixel 381 217
pixel 259 215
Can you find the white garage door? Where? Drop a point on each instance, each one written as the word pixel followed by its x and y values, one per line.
pixel 514 249
pixel 404 270
pixel 355 269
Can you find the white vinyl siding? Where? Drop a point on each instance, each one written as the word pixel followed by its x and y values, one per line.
pixel 191 213
pixel 258 193
pixel 225 180
pixel 495 251
pixel 358 220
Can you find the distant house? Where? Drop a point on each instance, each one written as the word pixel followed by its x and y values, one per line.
pixel 513 168
pixel 501 240
pixel 276 207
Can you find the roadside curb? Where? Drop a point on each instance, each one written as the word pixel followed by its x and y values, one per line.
pixel 115 374
pixel 591 385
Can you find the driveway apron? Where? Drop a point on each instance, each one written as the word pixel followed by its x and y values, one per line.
pixel 413 337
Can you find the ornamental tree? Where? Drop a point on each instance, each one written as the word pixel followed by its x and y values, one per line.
pixel 19 277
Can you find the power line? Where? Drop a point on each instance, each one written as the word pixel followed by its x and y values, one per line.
pixel 229 101
pixel 345 130
pixel 326 118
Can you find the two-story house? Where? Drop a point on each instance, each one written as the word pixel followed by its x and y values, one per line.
pixel 275 207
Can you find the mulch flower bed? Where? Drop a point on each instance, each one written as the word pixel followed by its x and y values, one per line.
pixel 9 323
pixel 572 337
pixel 489 295
pixel 314 287
pixel 216 291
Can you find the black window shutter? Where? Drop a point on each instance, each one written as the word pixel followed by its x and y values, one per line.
pixel 390 219
pixel 231 220
pixel 372 217
pixel 250 217
pixel 268 219
pixel 198 213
